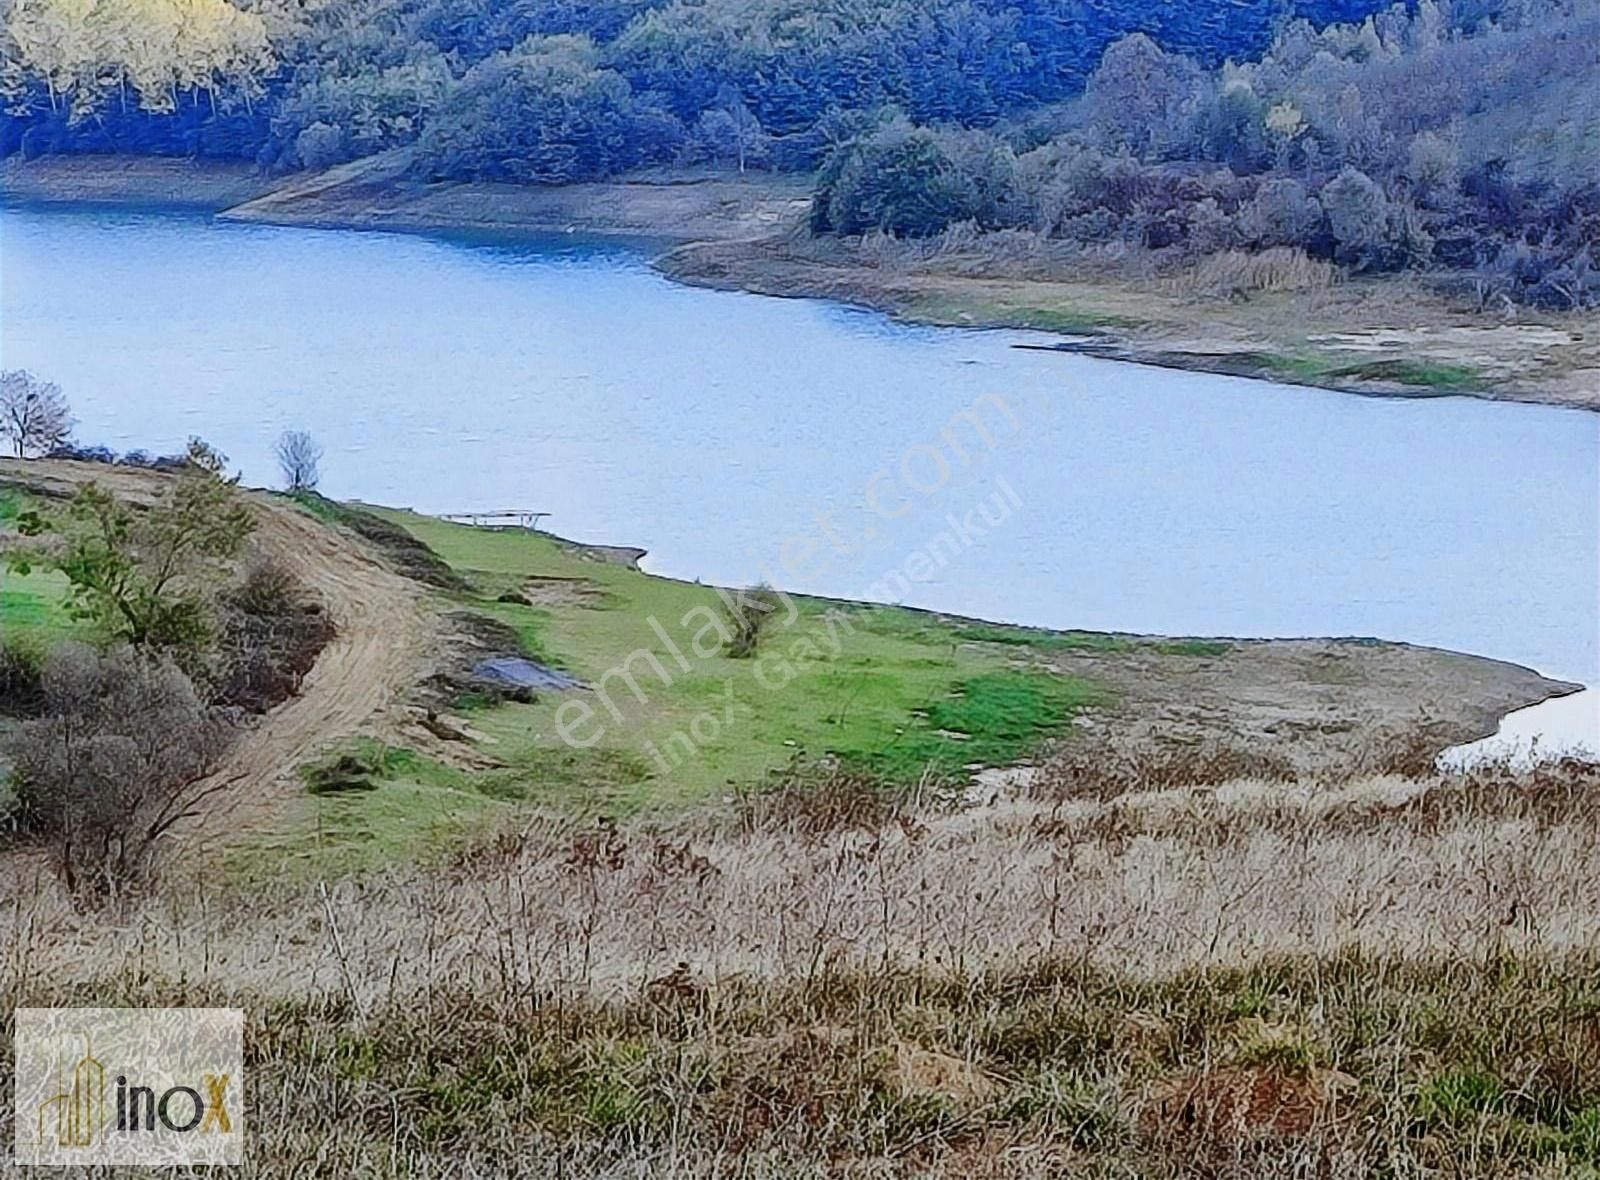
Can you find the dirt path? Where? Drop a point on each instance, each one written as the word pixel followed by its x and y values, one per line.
pixel 378 652
pixel 381 647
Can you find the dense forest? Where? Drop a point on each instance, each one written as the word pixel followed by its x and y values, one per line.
pixel 1454 135
pixel 1410 141
pixel 556 90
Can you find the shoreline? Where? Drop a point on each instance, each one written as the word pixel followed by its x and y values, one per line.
pixel 1373 337
pixel 1428 352
pixel 1330 697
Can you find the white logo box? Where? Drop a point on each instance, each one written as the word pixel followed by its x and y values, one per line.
pixel 129 1086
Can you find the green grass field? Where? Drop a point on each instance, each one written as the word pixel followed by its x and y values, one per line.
pixel 883 689
pixel 33 607
pixel 891 693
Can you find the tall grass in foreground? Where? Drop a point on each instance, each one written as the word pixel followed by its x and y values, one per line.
pixel 1395 976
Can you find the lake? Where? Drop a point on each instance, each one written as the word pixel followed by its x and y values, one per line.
pixel 738 437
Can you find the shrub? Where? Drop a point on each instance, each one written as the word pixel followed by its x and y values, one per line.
pixel 1358 216
pixel 320 146
pixel 748 614
pixel 359 768
pixel 1282 213
pixel 271 635
pixel 82 454
pixel 21 677
pixel 119 756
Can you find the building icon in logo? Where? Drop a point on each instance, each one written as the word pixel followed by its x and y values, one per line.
pixel 79 1110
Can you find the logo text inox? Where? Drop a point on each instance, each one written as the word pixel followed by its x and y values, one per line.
pixel 180 1108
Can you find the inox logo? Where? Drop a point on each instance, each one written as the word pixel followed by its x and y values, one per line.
pixel 177 1108
pixel 135 1086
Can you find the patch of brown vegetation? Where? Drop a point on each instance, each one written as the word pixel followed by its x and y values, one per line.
pixel 562 592
pixel 915 1072
pixel 1205 1107
pixel 1154 984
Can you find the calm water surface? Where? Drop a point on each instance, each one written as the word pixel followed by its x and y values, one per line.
pixel 737 436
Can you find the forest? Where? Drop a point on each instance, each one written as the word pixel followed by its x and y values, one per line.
pixel 1454 136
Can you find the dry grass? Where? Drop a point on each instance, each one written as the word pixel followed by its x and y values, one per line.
pixel 1153 882
pixel 1240 979
pixel 1242 272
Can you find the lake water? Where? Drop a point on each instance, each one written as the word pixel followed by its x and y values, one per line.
pixel 737 437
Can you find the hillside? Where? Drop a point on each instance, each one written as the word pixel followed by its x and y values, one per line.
pixel 1226 149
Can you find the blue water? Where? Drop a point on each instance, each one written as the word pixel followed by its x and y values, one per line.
pixel 712 429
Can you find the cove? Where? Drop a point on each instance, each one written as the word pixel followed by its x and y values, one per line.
pixel 738 437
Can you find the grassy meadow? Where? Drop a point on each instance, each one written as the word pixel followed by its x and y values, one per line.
pixel 1378 977
pixel 33 606
pixel 896 696
pixel 798 951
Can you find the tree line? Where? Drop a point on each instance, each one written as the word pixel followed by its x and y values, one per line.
pixel 1408 141
pixel 557 90
pixel 1454 136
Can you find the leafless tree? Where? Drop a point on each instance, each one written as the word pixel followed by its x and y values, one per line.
pixel 34 417
pixel 121 754
pixel 299 458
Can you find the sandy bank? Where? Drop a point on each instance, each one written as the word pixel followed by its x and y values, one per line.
pixel 1388 337
pixel 130 180
pixel 670 207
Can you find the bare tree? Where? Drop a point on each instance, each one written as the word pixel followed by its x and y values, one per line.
pixel 34 417
pixel 120 756
pixel 299 458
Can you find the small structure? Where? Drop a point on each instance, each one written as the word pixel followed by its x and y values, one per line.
pixel 506 518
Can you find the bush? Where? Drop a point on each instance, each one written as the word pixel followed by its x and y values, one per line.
pixel 321 145
pixel 271 635
pixel 913 182
pixel 82 454
pixel 748 614
pixel 359 768
pixel 1282 213
pixel 1358 216
pixel 120 754
pixel 21 677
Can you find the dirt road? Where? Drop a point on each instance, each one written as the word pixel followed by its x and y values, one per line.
pixel 379 651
